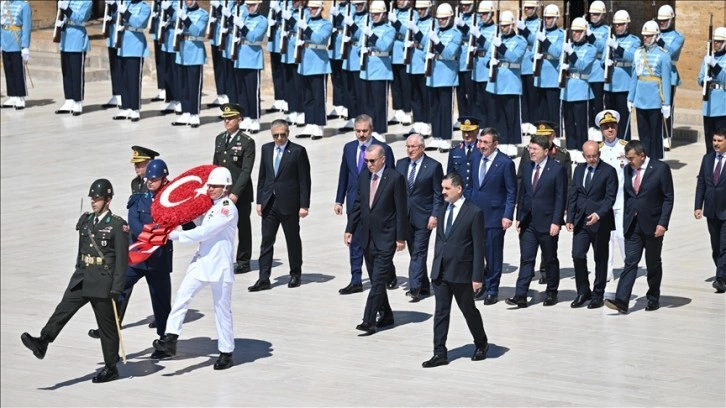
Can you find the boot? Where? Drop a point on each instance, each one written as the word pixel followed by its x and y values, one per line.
pixel 224 361
pixel 122 115
pixel 254 126
pixel 182 121
pixel 109 373
pixel 161 96
pixel 20 103
pixel 77 108
pixel 169 108
pixel 38 345
pixel 113 102
pixel 317 132
pixel 135 116
pixel 66 107
pixel 10 103
pixel 167 343
pixel 194 121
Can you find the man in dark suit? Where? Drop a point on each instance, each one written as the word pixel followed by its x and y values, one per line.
pixel 590 216
pixel 423 175
pixel 458 269
pixel 352 164
pixel 379 211
pixel 711 203
pixel 495 193
pixel 463 156
pixel 283 197
pixel 541 205
pixel 648 200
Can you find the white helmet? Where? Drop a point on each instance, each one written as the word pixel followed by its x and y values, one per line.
pixel 621 17
pixel 253 1
pixel 466 2
pixel 579 24
pixel 377 6
pixel 357 1
pixel 506 18
pixel 598 7
pixel 533 4
pixel 220 176
pixel 665 12
pixel 552 11
pixel 444 10
pixel 650 28
pixel 719 34
pixel 422 4
pixel 485 6
pixel 316 5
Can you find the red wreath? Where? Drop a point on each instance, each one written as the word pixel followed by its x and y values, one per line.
pixel 180 201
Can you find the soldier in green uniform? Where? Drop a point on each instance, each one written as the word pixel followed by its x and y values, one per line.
pixel 101 262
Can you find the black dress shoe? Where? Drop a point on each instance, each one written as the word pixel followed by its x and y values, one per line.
pixel 38 345
pixel 152 325
pixel 480 353
pixel 393 122
pixel 385 321
pixel 542 280
pixel 167 111
pixel 616 305
pixel 425 292
pixel 120 117
pixel 166 343
pixel 516 301
pixel 109 373
pixel 109 105
pixel 435 361
pixel 94 334
pixel 367 328
pixel 580 300
pixel 392 283
pixel 720 285
pixel 414 294
pixel 244 268
pixel 550 300
pixel 316 137
pixel 491 300
pixel 479 293
pixel 194 125
pixel 595 303
pixel 259 285
pixel 160 355
pixel 345 129
pixel 78 114
pixel 652 305
pixel 135 119
pixel 224 361
pixel 155 99
pixel 294 281
pixel 351 288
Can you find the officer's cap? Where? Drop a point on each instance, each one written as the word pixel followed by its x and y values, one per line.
pixel 469 123
pixel 607 116
pixel 230 110
pixel 142 154
pixel 545 127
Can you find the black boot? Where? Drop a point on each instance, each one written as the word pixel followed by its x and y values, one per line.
pixel 38 345
pixel 94 334
pixel 167 344
pixel 224 361
pixel 109 373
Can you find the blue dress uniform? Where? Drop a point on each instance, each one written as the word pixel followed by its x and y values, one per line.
pixel 337 77
pixel 714 107
pixel 401 84
pixel 158 56
pixel 73 46
pixel 314 68
pixel 293 80
pixel 672 41
pixel 378 73
pixel 480 74
pixel 548 89
pixel 465 90
pixel 16 21
pixel 506 90
pixel 171 73
pixel 356 101
pixel 649 93
pixel 114 64
pixel 416 70
pixel 598 38
pixel 461 158
pixel 616 92
pixel 131 56
pixel 274 21
pixel 230 74
pixel 444 77
pixel 577 96
pixel 248 65
pixel 529 93
pixel 191 58
pixel 218 66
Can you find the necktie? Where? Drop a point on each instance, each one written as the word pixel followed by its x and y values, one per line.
pixel 361 158
pixel 229 137
pixel 411 175
pixel 535 180
pixel 636 183
pixel 374 187
pixel 468 152
pixel 483 170
pixel 449 220
pixel 588 178
pixel 717 171
pixel 95 221
pixel 278 157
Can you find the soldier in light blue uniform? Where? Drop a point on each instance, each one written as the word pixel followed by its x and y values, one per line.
pixel 337 77
pixel 16 20
pixel 171 74
pixel 401 84
pixel 484 33
pixel 416 69
pixel 73 46
pixel 251 28
pixel 191 58
pixel 623 47
pixel 314 68
pixel 233 9
pixel 114 64
pixel 577 96
pixel 465 90
pixel 216 16
pixel 378 71
pixel 672 41
pixel 135 16
pixel 274 22
pixel 548 89
pixel 506 88
pixel 158 56
pixel 650 92
pixel 293 81
pixel 528 29
pixel 714 107
pixel 356 101
pixel 598 37
pixel 446 40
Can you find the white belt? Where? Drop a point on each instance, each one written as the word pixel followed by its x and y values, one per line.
pixel 551 58
pixel 316 46
pixel 623 64
pixel 440 58
pixel 577 75
pixel 243 42
pixel 134 29
pixel 192 38
pixel 716 86
pixel 379 54
pixel 81 24
pixel 509 65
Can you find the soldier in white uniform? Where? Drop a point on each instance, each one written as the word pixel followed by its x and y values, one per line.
pixel 212 265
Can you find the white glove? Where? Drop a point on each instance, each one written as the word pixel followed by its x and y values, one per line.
pixel 392 16
pixel 497 41
pixel 226 12
pixel 541 36
pixel 212 19
pixel 120 28
pixel 707 79
pixel 286 14
pixel 612 43
pixel 588 32
pixel 182 14
pixel 538 56
pixel 25 53
pixel 430 55
pixel 609 62
pixel 60 23
pixel 709 60
pixel 107 17
pixel 334 11
pixel 348 20
pixel 165 4
pixel 122 7
pixel 299 43
pixel 63 4
pixel 110 2
pixel 471 49
pixel 475 32
pixel 520 25
pixel 631 105
pixel 411 25
pixel 364 50
pixel 346 38
pixel 225 30
pixel 368 31
pixel 302 24
pixel 666 111
pixel 214 3
pixel 174 235
pixel 239 22
pixel 434 37
pixel 275 6
pixel 408 44
pixel 567 47
pixel 565 67
pixel 459 22
pixel 493 61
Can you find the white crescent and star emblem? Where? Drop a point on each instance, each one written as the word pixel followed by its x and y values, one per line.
pixel 165 195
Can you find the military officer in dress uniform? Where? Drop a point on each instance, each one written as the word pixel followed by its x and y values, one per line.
pixel 416 69
pixel 101 264
pixel 356 101
pixel 528 29
pixel 714 107
pixel 671 41
pixel 463 155
pixel 16 19
pixel 597 35
pixel 484 33
pixel 73 46
pixel 551 42
pixel 401 84
pixel 623 46
pixel 140 159
pixel 650 93
pixel 274 21
pixel 377 72
pixel 249 63
pixel 216 16
pixel 337 78
pixel 293 80
pixel 465 91
pixel 235 150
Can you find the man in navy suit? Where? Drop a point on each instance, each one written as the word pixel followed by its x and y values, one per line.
pixel 458 269
pixel 540 214
pixel 648 200
pixel 495 193
pixel 465 154
pixel 590 216
pixel 711 203
pixel 379 212
pixel 352 164
pixel 423 178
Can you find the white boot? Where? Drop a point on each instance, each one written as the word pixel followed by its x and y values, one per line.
pixel 177 108
pixel 426 130
pixel 379 137
pixel 416 128
pixel 666 144
pixel 334 113
pixel 254 126
pixel 135 116
pixel 66 107
pixel 77 108
pixel 317 132
pixel 246 124
pixel 406 119
pixel 113 102
pixel 300 119
pixel 169 107
pixel 182 120
pixel 20 103
pixel 349 125
pixel 396 119
pixel 291 118
pixel 194 121
pixel 344 112
pixel 160 96
pixel 513 150
pixel 217 101
pixel 10 103
pixel 306 132
pixel 223 99
pixel 457 125
pixel 433 144
pixel 444 145
pixel 285 108
pixel 122 114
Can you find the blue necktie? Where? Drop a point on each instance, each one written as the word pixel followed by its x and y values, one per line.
pixel 411 175
pixel 588 179
pixel 449 220
pixel 483 170
pixel 278 157
pixel 361 158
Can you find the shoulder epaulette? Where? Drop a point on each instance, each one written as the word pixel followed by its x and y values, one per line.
pixel 118 218
pixel 623 142
pixel 601 144
pixel 225 202
pixel 562 149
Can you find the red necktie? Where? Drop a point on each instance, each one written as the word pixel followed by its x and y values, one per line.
pixel 374 187
pixel 536 178
pixel 636 183
pixel 717 171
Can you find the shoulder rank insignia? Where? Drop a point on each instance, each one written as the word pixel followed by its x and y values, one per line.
pixel 225 202
pixel 623 142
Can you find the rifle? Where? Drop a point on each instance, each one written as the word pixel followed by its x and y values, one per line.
pixel 562 77
pixel 235 37
pixel 160 25
pixel 299 44
pixel 493 50
pixel 284 35
pixel 178 30
pixel 118 39
pixel 471 50
pixel 608 75
pixel 154 15
pixel 270 17
pixel 105 27
pixel 334 34
pixel 222 43
pixel 429 62
pixel 538 45
pixel 407 49
pixel 59 16
pixel 706 67
pixel 212 26
pixel 345 44
pixel 364 40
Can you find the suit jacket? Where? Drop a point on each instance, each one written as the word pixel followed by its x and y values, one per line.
pixel 654 202
pixel 497 195
pixel 425 199
pixel 348 176
pixel 239 157
pixel 459 163
pixel 291 185
pixel 598 198
pixel 709 197
pixel 545 205
pixel 459 258
pixel 385 221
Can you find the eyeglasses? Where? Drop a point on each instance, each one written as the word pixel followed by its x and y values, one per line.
pixel 413 146
pixel 279 135
pixel 371 161
pixel 609 126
